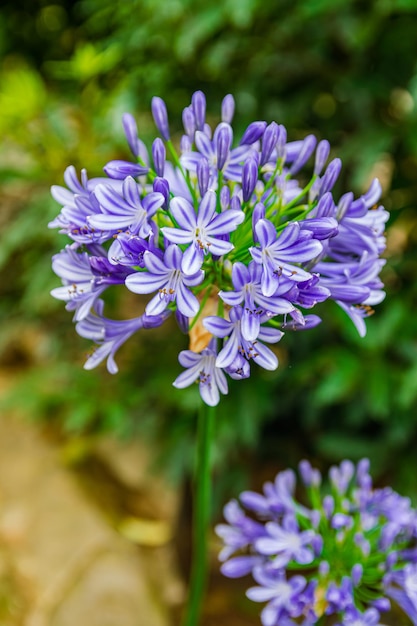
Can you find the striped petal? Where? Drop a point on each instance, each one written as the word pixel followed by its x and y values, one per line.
pixel 183 213
pixel 110 222
pixel 250 325
pixel 144 282
pixel 265 357
pixel 111 202
pixel 192 259
pixel 232 298
pixel 226 222
pixel 204 145
pixel 189 376
pixel 228 353
pixel 266 233
pixel 156 306
pixel 210 393
pixel 218 326
pixel 187 303
pixel 190 160
pixel 177 235
pixel 218 246
pixel 188 358
pixel 206 210
pixel 152 202
pixel 240 275
pixel 154 264
pixel 173 257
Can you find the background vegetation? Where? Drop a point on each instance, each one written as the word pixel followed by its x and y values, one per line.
pixel 345 70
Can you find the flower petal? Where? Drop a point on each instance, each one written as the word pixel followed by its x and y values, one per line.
pixel 145 282
pixel 192 259
pixel 206 209
pixel 177 235
pixel 187 303
pixel 225 222
pixel 228 353
pixel 183 213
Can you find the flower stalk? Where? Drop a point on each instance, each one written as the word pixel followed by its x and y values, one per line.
pixel 202 490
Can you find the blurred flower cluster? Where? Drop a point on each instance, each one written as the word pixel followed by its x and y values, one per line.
pixel 232 237
pixel 345 555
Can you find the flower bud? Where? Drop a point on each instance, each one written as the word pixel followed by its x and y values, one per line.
pixel 198 102
pixel 131 132
pixel 160 116
pixel 188 121
pixel 228 108
pixel 254 131
pixel 249 178
pixel 322 154
pixel 159 156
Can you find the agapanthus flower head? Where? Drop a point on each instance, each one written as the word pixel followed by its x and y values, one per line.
pixel 237 237
pixel 351 546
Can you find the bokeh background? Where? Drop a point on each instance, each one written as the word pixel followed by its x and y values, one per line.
pixel 345 70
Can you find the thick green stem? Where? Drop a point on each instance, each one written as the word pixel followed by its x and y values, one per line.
pixel 201 516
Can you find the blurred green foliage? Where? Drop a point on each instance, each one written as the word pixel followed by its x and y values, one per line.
pixel 346 71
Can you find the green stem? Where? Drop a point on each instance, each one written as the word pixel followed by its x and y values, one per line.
pixel 201 516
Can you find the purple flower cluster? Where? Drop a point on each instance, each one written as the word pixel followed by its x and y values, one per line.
pixel 345 553
pixel 224 236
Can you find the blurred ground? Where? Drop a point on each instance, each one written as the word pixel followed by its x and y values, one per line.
pixel 64 560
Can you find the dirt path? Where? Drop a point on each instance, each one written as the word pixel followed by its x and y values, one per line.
pixel 61 562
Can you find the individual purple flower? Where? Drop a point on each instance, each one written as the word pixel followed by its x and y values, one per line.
pixel 128 249
pixel 166 277
pixel 277 499
pixel 128 212
pixel 308 293
pixel 79 203
pixel 81 290
pixel 237 344
pixel 248 290
pixel 201 230
pixel 239 532
pixel 202 368
pixel 280 254
pixel 283 596
pixel 111 334
pixel 286 543
pixel 353 282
